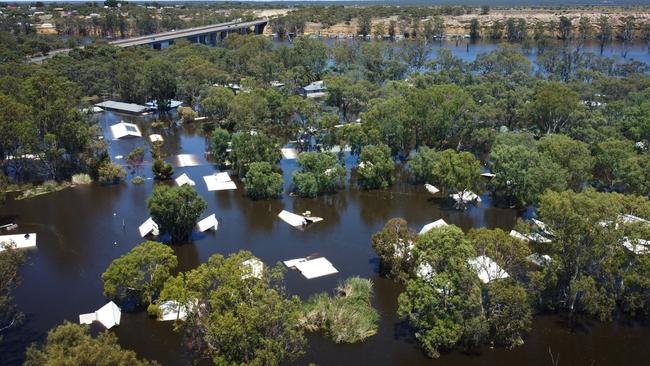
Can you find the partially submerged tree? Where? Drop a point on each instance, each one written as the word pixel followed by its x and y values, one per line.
pixel 219 143
pixel 250 148
pixel 162 170
pixel 175 210
pixel 394 245
pixel 262 182
pixel 319 173
pixel 71 344
pixel 376 167
pixel 110 173
pixel 136 278
pixel 236 317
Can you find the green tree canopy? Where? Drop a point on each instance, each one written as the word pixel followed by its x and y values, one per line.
pixel 376 167
pixel 319 173
pixel 262 182
pixel 394 245
pixel 70 344
pixel 240 318
pixel 175 210
pixel 572 155
pixel 138 276
pixel 523 174
pixel 250 148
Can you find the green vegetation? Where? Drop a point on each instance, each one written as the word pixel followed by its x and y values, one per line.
pixel 137 180
pixel 262 182
pixel 231 325
pixel 176 210
pixel 393 245
pixel 71 344
pixel 447 304
pixel 137 277
pixel 376 167
pixel 110 173
pixel 162 170
pixel 348 317
pixel 558 132
pixel 10 262
pixel 81 179
pixel 319 173
pixel 248 148
pixel 219 145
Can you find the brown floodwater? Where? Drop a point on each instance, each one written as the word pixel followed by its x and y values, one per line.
pixel 82 229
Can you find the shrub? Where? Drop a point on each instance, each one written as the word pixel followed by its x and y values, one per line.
pixel 110 173
pixel 162 170
pixel 81 179
pixel 348 317
pixel 137 180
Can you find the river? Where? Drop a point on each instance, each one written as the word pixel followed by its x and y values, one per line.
pixel 82 229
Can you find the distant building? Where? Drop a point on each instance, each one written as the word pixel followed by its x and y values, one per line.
pixel 316 89
pixel 46 28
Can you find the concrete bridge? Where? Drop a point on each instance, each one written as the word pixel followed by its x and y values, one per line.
pixel 209 34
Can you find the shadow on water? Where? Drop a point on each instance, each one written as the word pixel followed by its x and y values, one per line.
pixel 81 230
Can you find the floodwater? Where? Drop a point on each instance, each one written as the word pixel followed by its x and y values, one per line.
pixel 82 229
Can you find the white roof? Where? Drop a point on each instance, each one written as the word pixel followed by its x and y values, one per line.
pixel 315 267
pixel 109 315
pixel 631 219
pixel 172 310
pixel 466 196
pixel 20 240
pixel 172 104
pixel 123 129
pixel 431 189
pixel 401 250
pixel 432 225
pixel 219 182
pixel 487 269
pixel 184 179
pixel 539 259
pixel 542 226
pixel 183 160
pixel 518 235
pixel 536 237
pixel 636 246
pixel 208 223
pixel 488 175
pixel 289 152
pixel 148 227
pixel 297 220
pixel 292 262
pixel 253 268
pixel 425 271
pixel 155 137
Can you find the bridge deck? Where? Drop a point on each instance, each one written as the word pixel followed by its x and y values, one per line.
pixel 184 33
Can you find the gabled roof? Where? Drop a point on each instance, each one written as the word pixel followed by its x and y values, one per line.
pixel 123 129
pixel 432 225
pixel 487 269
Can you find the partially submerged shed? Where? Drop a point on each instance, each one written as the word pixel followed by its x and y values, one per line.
pixel 109 315
pixel 312 268
pixel 21 241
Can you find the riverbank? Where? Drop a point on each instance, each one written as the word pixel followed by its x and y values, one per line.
pixel 460 24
